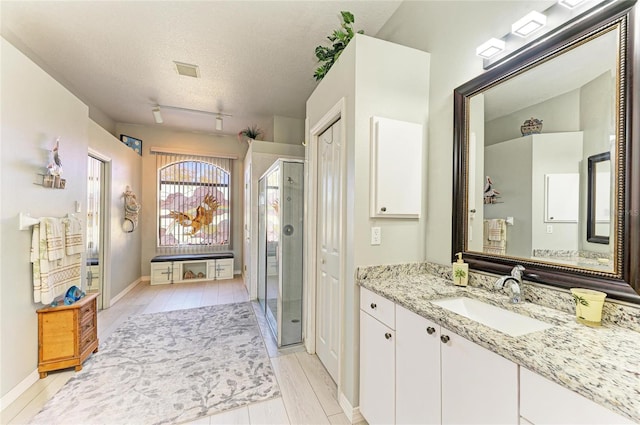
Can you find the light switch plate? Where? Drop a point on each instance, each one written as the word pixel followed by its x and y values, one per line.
pixel 376 236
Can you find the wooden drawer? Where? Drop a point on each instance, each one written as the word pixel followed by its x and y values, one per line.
pixel 67 335
pixel 378 307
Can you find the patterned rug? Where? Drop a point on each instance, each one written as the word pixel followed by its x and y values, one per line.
pixel 166 368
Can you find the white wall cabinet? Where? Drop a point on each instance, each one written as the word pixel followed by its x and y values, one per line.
pixel 396 168
pixel 545 402
pixel 377 358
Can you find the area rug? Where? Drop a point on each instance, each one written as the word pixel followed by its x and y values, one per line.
pixel 166 368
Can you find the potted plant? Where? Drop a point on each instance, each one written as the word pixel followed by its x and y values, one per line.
pixel 339 40
pixel 252 132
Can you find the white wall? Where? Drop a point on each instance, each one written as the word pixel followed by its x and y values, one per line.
pixel 189 142
pixel 450 31
pixel 125 170
pixel 288 130
pixel 376 79
pixel 35 111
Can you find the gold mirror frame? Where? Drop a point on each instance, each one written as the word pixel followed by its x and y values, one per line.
pixel 624 282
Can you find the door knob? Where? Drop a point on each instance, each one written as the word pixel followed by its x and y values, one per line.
pixel 444 338
pixel 374 305
pixel 430 330
pixel 387 335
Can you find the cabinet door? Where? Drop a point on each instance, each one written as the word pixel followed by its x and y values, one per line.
pixel 164 272
pixel 224 268
pixel 478 386
pixel 417 369
pixel 543 401
pixel 396 168
pixel 377 376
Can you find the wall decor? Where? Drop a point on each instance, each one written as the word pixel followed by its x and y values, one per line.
pixel 132 142
pixel 131 209
pixel 531 126
pixel 53 176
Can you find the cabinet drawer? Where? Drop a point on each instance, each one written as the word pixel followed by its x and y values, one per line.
pixel 87 338
pixel 378 307
pixel 87 311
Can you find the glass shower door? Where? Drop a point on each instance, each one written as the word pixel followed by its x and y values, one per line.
pixel 262 243
pixel 292 251
pixel 272 211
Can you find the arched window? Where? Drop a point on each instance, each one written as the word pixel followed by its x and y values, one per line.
pixel 194 203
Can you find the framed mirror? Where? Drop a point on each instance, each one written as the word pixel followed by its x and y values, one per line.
pixel 525 136
pixel 599 200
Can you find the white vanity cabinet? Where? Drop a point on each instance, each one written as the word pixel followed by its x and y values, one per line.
pixel 545 402
pixel 377 358
pixel 417 369
pixel 444 378
pixel 478 386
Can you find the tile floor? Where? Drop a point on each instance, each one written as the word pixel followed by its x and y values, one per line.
pixel 308 392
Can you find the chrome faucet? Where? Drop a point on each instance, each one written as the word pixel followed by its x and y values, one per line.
pixel 515 278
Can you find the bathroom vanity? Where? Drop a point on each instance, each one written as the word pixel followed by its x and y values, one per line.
pixel 422 363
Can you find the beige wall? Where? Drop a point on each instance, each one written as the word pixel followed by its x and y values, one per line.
pixel 158 136
pixel 450 31
pixel 123 169
pixel 35 111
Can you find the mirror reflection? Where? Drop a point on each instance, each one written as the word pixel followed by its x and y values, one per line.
pixel 529 142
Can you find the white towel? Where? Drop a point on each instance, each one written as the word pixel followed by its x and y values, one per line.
pixel 73 236
pixel 54 231
pixel 495 236
pixel 51 278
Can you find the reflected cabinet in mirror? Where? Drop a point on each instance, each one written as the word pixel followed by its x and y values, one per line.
pixel 546 161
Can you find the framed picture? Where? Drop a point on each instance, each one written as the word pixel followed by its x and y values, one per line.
pixel 132 142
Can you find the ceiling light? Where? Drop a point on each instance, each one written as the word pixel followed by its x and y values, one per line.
pixel 187 69
pixel 570 4
pixel 490 48
pixel 529 24
pixel 219 123
pixel 156 115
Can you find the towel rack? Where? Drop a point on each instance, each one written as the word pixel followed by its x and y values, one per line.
pixel 26 221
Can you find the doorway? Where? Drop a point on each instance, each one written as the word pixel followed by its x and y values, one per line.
pixel 329 248
pixel 95 228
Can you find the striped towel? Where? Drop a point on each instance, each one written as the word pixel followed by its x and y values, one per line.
pixel 73 235
pixel 51 278
pixel 54 231
pixel 495 236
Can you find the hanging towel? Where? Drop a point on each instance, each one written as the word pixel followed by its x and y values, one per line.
pixel 497 229
pixel 495 236
pixel 73 235
pixel 54 230
pixel 51 278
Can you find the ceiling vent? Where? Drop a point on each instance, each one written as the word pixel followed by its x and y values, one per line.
pixel 187 69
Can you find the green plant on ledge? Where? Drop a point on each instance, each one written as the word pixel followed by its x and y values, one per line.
pixel 339 39
pixel 251 132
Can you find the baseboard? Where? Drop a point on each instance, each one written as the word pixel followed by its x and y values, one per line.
pixel 19 389
pixel 125 291
pixel 352 413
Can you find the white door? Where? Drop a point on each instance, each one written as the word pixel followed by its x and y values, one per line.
pixel 328 249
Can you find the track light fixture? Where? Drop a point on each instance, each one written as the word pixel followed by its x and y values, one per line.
pixel 156 115
pixel 218 115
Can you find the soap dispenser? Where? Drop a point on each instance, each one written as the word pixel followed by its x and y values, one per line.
pixel 460 271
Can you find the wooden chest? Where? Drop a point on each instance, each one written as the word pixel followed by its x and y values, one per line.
pixel 67 335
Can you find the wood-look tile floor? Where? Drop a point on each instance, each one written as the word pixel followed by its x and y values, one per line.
pixel 308 392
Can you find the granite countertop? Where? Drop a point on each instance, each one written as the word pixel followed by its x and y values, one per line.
pixel 602 364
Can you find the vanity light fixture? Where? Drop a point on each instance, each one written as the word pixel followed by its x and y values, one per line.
pixel 529 24
pixel 156 115
pixel 490 48
pixel 219 123
pixel 570 4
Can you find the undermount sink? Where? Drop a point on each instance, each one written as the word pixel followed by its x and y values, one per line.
pixel 506 321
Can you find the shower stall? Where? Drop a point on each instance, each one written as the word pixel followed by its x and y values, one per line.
pixel 280 245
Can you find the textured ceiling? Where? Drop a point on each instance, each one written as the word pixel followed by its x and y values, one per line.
pixel 256 58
